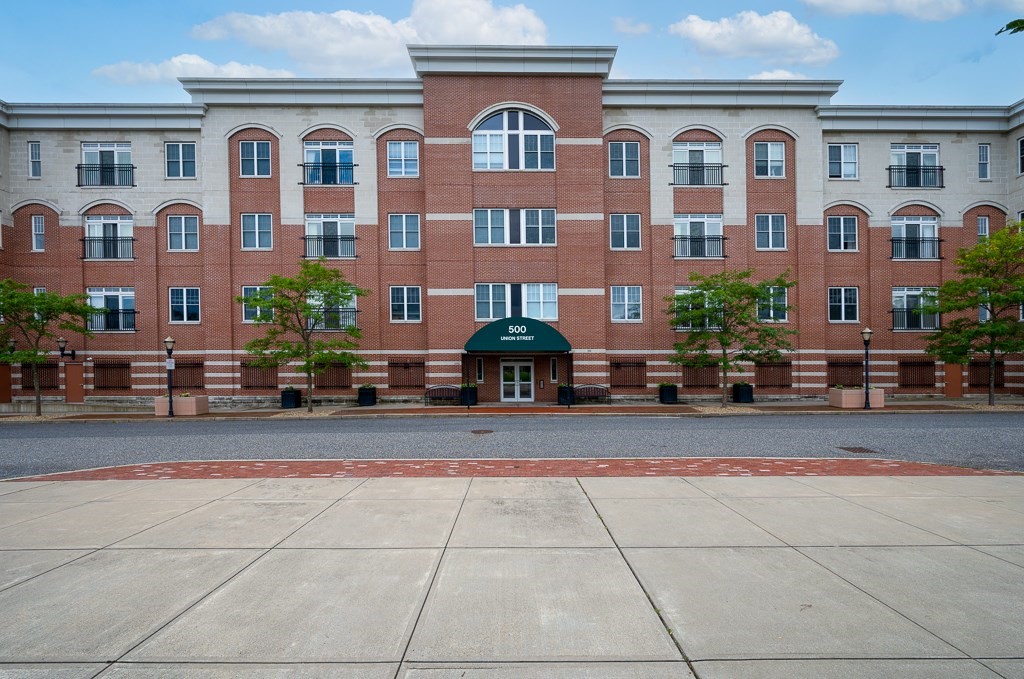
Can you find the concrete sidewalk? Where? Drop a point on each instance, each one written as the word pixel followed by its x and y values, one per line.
pixel 506 578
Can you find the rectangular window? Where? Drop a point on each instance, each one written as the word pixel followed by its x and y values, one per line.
pixel 842 234
pixel 106 164
pixel 769 159
pixel 183 233
pixel 181 160
pixel 698 235
pixel 982 227
pixel 404 232
pixel 252 308
pixel 907 304
pixel 1020 156
pixel 842 305
pixel 38 233
pixel 255 157
pixel 985 308
pixel 697 163
pixel 514 227
pixel 403 159
pixel 708 319
pixel 256 232
pixel 35 160
pixel 330 236
pixel 915 238
pixel 488 151
pixel 405 304
pixel 984 153
pixel 626 307
pixel 842 161
pixel 541 301
pixel 774 306
pixel 770 232
pixel 625 232
pixel 915 165
pixel 553 375
pixel 502 300
pixel 479 369
pixel 328 163
pixel 116 309
pixel 624 159
pixel 184 305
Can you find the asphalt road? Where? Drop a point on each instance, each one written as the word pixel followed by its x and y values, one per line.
pixel 983 440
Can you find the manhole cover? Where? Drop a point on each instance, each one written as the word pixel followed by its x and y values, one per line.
pixel 858 450
pixel 482 431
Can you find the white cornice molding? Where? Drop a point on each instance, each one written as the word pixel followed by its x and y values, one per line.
pixel 917 118
pixel 305 91
pixel 723 93
pixel 105 116
pixel 512 59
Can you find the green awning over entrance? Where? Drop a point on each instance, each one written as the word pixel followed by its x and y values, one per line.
pixel 518 335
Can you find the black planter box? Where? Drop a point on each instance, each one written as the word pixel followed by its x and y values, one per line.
pixel 291 398
pixel 566 396
pixel 367 396
pixel 467 396
pixel 743 393
pixel 668 393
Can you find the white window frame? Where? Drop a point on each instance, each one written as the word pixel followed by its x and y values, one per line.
pixel 252 291
pixel 490 147
pixel 491 301
pixel 35 160
pixel 690 291
pixel 924 225
pixel 770 221
pixel 929 159
pixel 185 304
pixel 544 294
pixel 628 224
pixel 546 223
pixel 258 219
pixel 97 299
pixel 711 154
pixel 91 156
pixel 983 227
pixel 774 160
pixel 256 145
pixel 402 163
pixel 842 303
pixel 848 161
pixel 479 369
pixel 182 221
pixel 313 153
pixel 344 224
pixel 546 297
pixel 683 226
pixel 984 162
pixel 627 304
pixel 405 304
pixel 900 297
pixel 843 222
pixel 775 309
pixel 181 161
pixel 95 227
pixel 38 233
pixel 408 225
pixel 553 373
pixel 624 159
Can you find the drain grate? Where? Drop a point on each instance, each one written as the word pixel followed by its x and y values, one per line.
pixel 482 431
pixel 858 450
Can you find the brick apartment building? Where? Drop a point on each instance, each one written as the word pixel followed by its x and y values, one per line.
pixel 518 217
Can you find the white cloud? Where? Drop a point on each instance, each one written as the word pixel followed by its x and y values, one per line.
pixel 183 65
pixel 925 10
pixel 775 37
pixel 778 74
pixel 628 26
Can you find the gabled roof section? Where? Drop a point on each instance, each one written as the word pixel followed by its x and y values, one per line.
pixel 512 59
pixel 305 91
pixel 917 118
pixel 103 116
pixel 747 93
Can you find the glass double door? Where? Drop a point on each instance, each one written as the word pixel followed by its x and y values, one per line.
pixel 517 381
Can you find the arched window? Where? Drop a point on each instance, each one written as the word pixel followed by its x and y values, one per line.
pixel 513 140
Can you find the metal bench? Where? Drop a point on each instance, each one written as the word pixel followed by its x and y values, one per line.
pixel 442 394
pixel 592 393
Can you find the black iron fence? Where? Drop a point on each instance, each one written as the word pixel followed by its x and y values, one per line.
pixel 915 248
pixel 697 174
pixel 915 176
pixel 108 248
pixel 106 175
pixel 113 320
pixel 330 246
pixel 328 174
pixel 698 246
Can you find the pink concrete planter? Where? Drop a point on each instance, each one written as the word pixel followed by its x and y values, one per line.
pixel 183 405
pixel 854 398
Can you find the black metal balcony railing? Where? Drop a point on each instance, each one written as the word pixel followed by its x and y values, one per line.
pixel 914 319
pixel 698 246
pixel 113 320
pixel 328 174
pixel 106 175
pixel 915 248
pixel 108 248
pixel 331 247
pixel 914 176
pixel 697 174
pixel 335 318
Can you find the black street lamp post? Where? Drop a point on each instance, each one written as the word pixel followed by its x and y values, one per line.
pixel 169 345
pixel 866 334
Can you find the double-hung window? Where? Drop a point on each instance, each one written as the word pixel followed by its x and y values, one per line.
pixel 1020 156
pixel 907 305
pixel 115 309
pixel 503 300
pixel 625 232
pixel 842 305
pixel 514 227
pixel 255 307
pixel 109 237
pixel 699 314
pixel 770 232
pixel 255 157
pixel 181 159
pixel 405 304
pixel 404 232
pixel 982 227
pixel 330 236
pixel 513 140
pixel 842 234
pixel 626 306
pixel 257 232
pixel 624 159
pixel 328 163
pixel 915 238
pixel 842 161
pixel 106 164
pixel 915 165
pixel 769 159
pixel 38 233
pixel 984 163
pixel 774 307
pixel 403 159
pixel 985 308
pixel 35 160
pixel 697 163
pixel 183 233
pixel 184 305
pixel 698 235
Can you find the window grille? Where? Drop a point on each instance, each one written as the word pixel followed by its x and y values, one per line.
pixel 406 374
pixel 917 373
pixel 188 374
pixel 700 377
pixel 112 375
pixel 255 376
pixel 845 372
pixel 629 374
pixel 334 376
pixel 774 374
pixel 977 374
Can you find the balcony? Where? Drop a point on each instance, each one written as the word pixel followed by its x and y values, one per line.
pixel 914 319
pixel 915 248
pixel 697 174
pixel 113 320
pixel 108 248
pixel 328 174
pixel 915 176
pixel 335 318
pixel 106 175
pixel 331 247
pixel 699 246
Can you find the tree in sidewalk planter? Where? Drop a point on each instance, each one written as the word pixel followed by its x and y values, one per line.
pixel 726 320
pixel 34 321
pixel 306 320
pixel 990 283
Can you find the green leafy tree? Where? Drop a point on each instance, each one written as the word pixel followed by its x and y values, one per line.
pixel 34 322
pixel 727 320
pixel 307 319
pixel 990 286
pixel 1015 26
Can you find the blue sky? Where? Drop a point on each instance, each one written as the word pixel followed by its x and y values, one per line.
pixel 912 52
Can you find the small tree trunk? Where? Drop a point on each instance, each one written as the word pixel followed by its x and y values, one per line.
pixel 38 389
pixel 725 380
pixel 309 391
pixel 992 375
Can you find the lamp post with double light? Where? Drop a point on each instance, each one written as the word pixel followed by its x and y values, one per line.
pixel 169 345
pixel 866 334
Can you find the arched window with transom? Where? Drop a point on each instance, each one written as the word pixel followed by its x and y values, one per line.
pixel 513 140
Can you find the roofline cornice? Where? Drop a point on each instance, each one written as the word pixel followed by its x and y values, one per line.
pixel 305 91
pixel 746 93
pixel 104 116
pixel 912 118
pixel 513 59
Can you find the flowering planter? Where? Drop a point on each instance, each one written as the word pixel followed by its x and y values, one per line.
pixel 183 405
pixel 854 398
